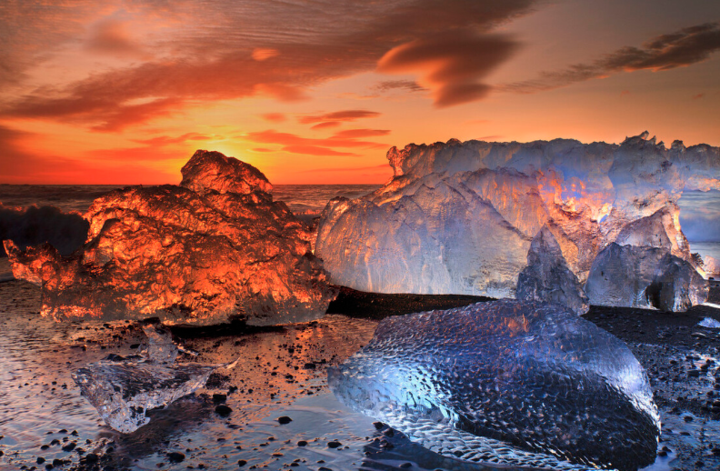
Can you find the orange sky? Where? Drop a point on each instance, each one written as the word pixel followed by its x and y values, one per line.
pixel 123 92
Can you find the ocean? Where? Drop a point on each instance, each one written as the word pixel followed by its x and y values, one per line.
pixel 699 211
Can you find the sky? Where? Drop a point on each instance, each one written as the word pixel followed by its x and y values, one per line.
pixel 316 91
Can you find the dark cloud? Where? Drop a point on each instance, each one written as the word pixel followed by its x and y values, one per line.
pixel 404 85
pixel 215 51
pixel 679 49
pixel 451 64
pixel 345 115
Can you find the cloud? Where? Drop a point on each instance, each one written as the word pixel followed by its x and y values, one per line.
pixel 160 141
pixel 112 37
pixel 405 85
pixel 273 137
pixel 326 125
pixel 345 115
pixel 315 150
pixel 224 50
pixel 356 133
pixel 451 64
pixel 682 48
pixel 274 117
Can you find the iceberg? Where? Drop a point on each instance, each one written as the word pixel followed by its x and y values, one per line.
pixel 214 249
pixel 460 217
pixel 510 382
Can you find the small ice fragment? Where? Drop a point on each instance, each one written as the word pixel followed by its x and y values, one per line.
pixel 710 323
pixel 123 391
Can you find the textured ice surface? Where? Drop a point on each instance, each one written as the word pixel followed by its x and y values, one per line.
pixel 123 390
pixel 547 276
pixel 512 382
pixel 646 277
pixel 459 217
pixel 214 249
pixel 709 323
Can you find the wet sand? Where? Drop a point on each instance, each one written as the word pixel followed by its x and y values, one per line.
pixel 282 372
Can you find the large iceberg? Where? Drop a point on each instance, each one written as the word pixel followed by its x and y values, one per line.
pixel 459 217
pixel 510 382
pixel 215 248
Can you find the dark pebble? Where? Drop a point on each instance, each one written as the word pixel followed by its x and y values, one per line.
pixel 302 443
pixel 219 398
pixel 223 410
pixel 378 425
pixel 242 462
pixel 323 468
pixel 176 457
pixel 284 420
pixel 334 444
pixel 91 458
pixel 688 418
pixel 69 447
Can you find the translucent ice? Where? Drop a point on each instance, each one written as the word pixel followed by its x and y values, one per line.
pixel 547 276
pixel 459 217
pixel 512 382
pixel 646 277
pixel 122 391
pixel 709 323
pixel 214 249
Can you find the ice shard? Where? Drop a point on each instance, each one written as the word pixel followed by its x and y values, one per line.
pixel 509 382
pixel 214 249
pixel 459 217
pixel 547 276
pixel 123 390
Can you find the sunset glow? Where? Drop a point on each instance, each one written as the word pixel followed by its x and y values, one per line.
pixel 123 92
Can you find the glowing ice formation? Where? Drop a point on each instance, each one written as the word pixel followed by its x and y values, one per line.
pixel 511 382
pixel 123 390
pixel 214 249
pixel 460 217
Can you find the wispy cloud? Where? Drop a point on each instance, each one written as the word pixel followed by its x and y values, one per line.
pixel 669 51
pixel 452 65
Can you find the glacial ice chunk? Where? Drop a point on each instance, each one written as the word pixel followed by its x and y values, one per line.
pixel 513 382
pixel 644 277
pixel 123 391
pixel 458 217
pixel 548 278
pixel 215 249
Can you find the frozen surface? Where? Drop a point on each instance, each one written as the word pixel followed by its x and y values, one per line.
pixel 459 217
pixel 215 249
pixel 510 382
pixel 548 278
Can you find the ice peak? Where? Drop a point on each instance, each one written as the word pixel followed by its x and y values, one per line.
pixel 211 170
